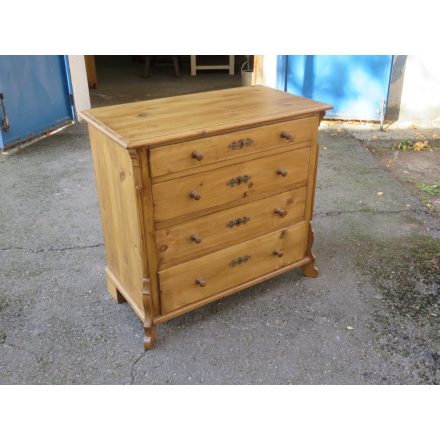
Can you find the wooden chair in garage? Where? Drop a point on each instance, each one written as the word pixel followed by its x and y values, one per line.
pixel 148 62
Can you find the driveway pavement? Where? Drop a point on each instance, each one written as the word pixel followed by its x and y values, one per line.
pixel 373 315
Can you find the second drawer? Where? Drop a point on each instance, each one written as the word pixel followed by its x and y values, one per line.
pixel 232 184
pixel 231 225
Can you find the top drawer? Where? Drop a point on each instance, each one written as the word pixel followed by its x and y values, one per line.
pixel 196 154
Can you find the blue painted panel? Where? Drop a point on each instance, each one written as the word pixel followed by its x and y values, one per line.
pixel 37 96
pixel 353 84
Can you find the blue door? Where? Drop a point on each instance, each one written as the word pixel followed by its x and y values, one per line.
pixel 354 84
pixel 35 97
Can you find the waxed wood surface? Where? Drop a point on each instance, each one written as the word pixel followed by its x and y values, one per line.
pixel 148 216
pixel 117 201
pixel 178 285
pixel 171 158
pixel 172 198
pixel 170 120
pixel 215 230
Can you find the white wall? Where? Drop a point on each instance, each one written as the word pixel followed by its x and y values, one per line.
pixel 80 86
pixel 420 98
pixel 269 76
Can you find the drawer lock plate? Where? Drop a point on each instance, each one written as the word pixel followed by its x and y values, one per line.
pixel 239 260
pixel 239 180
pixel 241 143
pixel 237 222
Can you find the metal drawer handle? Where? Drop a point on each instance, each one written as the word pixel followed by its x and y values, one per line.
pixel 278 252
pixel 282 172
pixel 280 211
pixel 241 143
pixel 237 222
pixel 286 135
pixel 201 282
pixel 239 260
pixel 197 155
pixel 239 180
pixel 196 238
pixel 195 195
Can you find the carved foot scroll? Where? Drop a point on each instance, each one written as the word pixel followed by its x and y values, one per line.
pixel 309 269
pixel 149 330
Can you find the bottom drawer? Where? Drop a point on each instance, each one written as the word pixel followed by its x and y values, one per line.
pixel 205 276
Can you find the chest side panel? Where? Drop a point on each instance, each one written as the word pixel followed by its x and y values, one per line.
pixel 120 224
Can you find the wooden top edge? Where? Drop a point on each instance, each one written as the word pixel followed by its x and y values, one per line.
pixel 90 119
pixel 217 130
pixel 196 133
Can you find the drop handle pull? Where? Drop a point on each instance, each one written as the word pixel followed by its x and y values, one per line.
pixel 197 155
pixel 278 252
pixel 201 282
pixel 282 172
pixel 280 211
pixel 195 195
pixel 286 135
pixel 196 238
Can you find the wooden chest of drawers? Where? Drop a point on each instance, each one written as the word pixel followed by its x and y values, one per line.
pixel 203 195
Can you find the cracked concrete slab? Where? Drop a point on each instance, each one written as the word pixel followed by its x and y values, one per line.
pixel 59 326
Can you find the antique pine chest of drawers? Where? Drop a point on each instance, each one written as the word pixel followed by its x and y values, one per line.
pixel 203 195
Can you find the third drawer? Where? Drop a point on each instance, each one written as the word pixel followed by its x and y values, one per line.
pixel 236 224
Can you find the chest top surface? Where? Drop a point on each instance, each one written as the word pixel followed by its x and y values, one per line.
pixel 179 118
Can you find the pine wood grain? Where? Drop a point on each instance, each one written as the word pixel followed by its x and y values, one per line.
pixel 172 198
pixel 182 229
pixel 178 285
pixel 171 120
pixel 214 231
pixel 237 288
pixel 117 201
pixel 177 157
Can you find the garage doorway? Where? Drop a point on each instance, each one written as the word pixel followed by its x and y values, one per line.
pixel 118 79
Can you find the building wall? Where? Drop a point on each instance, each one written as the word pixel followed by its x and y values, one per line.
pixel 420 98
pixel 80 86
pixel 414 89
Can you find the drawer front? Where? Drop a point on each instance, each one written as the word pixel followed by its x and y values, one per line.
pixel 230 226
pixel 195 154
pixel 195 280
pixel 235 183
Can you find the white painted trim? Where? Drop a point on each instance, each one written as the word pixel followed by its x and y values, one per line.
pixel 268 71
pixel 78 74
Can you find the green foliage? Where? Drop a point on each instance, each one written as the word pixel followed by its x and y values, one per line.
pixel 405 145
pixel 431 190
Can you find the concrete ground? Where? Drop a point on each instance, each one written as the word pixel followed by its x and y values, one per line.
pixel 372 317
pixel 411 153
